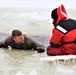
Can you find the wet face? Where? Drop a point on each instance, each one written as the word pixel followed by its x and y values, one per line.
pixel 19 39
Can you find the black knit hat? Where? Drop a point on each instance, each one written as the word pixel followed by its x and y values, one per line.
pixel 54 15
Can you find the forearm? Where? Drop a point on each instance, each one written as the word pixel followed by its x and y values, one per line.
pixel 36 46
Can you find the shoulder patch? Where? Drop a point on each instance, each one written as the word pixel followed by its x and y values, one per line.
pixel 61 29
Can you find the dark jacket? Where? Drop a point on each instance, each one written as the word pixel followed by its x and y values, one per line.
pixel 28 44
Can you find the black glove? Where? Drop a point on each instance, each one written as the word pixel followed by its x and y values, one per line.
pixel 40 50
pixel 49 47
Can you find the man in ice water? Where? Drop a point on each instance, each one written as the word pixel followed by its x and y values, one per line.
pixel 21 41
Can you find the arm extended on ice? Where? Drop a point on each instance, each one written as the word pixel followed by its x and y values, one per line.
pixel 36 46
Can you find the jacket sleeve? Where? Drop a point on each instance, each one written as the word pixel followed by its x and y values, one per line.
pixel 35 45
pixel 6 42
pixel 2 44
pixel 56 37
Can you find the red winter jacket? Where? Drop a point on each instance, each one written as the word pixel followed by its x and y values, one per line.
pixel 63 35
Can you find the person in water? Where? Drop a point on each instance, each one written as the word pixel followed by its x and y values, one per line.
pixel 63 40
pixel 20 41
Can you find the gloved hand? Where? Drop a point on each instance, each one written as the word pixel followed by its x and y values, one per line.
pixel 40 49
pixel 49 47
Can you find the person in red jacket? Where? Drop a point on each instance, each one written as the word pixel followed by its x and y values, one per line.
pixel 63 40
